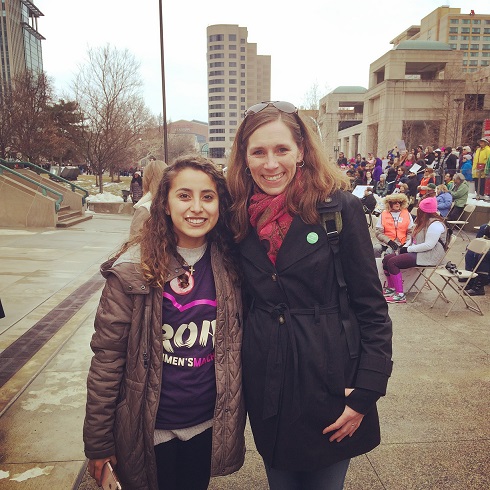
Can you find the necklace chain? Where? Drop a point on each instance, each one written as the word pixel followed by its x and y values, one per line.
pixel 192 255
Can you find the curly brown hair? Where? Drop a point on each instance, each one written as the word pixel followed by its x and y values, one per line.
pixel 319 177
pixel 158 241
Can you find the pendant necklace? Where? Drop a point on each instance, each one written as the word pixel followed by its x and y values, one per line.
pixel 184 283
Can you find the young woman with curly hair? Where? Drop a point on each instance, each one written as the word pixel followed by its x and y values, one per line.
pixel 164 388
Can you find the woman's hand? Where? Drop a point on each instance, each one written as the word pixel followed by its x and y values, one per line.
pixel 346 424
pixel 95 467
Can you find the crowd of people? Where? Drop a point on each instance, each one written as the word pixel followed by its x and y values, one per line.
pixel 254 294
pixel 421 172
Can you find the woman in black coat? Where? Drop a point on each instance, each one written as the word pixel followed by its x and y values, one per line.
pixel 317 337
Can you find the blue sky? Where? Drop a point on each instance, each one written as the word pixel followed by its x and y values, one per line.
pixel 313 41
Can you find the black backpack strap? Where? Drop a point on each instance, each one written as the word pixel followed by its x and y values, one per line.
pixel 333 225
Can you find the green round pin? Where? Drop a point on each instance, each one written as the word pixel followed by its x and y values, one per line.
pixel 312 237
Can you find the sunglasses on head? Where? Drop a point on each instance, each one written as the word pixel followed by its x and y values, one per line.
pixel 395 202
pixel 280 105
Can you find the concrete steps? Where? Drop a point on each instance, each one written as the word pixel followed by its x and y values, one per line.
pixel 67 217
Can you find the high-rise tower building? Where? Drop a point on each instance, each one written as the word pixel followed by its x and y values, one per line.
pixel 237 78
pixel 20 41
pixel 469 33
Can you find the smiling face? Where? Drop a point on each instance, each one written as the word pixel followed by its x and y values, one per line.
pixel 193 206
pixel 272 155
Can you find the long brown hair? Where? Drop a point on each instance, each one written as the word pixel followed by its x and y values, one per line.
pixel 319 177
pixel 152 175
pixel 425 219
pixel 158 241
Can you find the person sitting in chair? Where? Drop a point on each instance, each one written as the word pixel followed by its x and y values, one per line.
pixel 394 226
pixel 476 286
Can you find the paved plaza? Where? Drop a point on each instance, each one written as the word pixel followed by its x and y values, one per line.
pixel 435 417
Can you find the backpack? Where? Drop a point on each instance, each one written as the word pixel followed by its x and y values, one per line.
pixel 449 234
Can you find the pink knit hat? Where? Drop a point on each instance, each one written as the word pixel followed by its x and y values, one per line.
pixel 428 205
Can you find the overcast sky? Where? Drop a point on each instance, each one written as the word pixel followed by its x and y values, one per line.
pixel 310 41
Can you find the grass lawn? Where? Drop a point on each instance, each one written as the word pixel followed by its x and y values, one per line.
pixel 88 183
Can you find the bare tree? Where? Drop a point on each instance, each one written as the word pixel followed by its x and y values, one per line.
pixel 107 90
pixel 32 130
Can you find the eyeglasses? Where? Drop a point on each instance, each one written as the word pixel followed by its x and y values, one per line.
pixel 280 105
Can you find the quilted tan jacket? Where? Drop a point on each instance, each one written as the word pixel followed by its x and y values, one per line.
pixel 123 385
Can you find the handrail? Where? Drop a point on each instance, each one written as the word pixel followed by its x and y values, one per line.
pixel 40 170
pixel 45 188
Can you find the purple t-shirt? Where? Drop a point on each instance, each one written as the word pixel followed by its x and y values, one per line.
pixel 188 393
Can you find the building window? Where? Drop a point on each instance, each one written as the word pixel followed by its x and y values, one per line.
pixel 242 50
pixel 216 37
pixel 232 64
pixel 232 47
pixel 242 74
pixel 465 21
pixel 232 56
pixel 216 89
pixel 216 55
pixel 232 90
pixel 465 38
pixel 216 97
pixel 465 54
pixel 484 62
pixel 217 47
pixel 232 106
pixel 216 73
pixel 232 131
pixel 486 55
pixel 231 37
pixel 216 123
pixel 486 38
pixel 216 153
pixel 217 81
pixel 242 66
pixel 475 46
pixel 463 46
pixel 474 55
pixel 232 97
pixel 465 30
pixel 453 38
pixel 487 21
pixel 465 62
pixel 242 108
pixel 233 123
pixel 219 130
pixel 217 106
pixel 454 21
pixel 242 91
pixel 453 46
pixel 453 30
pixel 232 81
pixel 217 138
pixel 476 21
pixel 217 114
pixel 242 99
pixel 486 31
pixel 242 58
pixel 475 30
pixel 232 73
pixel 485 46
pixel 473 62
pixel 242 83
pixel 475 38
pixel 216 64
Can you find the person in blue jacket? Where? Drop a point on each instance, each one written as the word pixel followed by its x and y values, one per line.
pixel 467 166
pixel 444 200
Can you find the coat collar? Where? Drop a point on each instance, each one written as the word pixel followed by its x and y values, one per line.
pixel 297 242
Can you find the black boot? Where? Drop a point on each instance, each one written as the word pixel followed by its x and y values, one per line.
pixel 478 288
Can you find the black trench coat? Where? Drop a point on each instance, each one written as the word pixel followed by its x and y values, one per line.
pixel 296 358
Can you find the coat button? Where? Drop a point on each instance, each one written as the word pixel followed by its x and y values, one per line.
pixel 328 199
pixel 281 319
pixel 274 277
pixel 143 287
pixel 130 288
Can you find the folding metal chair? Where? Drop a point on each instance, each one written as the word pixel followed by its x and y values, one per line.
pixel 479 246
pixel 464 217
pixel 430 269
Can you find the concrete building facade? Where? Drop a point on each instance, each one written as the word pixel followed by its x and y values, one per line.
pixel 20 41
pixel 417 93
pixel 468 33
pixel 237 78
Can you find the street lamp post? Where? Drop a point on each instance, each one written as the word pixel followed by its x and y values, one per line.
pixel 336 150
pixel 458 103
pixel 164 100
